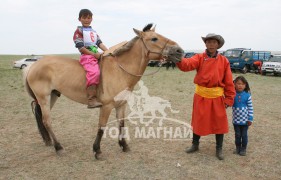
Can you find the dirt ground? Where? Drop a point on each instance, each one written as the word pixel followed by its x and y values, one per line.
pixel 23 154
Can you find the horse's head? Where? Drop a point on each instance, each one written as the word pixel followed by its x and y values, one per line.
pixel 159 47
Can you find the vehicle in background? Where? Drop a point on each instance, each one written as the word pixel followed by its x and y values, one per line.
pixel 221 52
pixel 189 54
pixel 22 63
pixel 243 59
pixel 273 65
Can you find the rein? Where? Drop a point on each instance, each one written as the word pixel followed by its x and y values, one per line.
pixel 137 75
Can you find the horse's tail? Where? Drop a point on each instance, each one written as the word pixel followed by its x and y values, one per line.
pixel 36 109
pixel 28 89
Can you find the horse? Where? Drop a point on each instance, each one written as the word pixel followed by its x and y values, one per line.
pixel 51 76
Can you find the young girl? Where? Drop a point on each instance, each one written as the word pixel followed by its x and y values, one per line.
pixel 87 41
pixel 242 113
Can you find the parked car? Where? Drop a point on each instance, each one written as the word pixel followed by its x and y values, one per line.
pixel 273 65
pixel 189 54
pixel 22 63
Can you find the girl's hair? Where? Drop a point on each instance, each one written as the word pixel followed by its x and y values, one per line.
pixel 85 13
pixel 243 79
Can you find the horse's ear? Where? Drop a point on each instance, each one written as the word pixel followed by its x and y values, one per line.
pixel 139 33
pixel 153 29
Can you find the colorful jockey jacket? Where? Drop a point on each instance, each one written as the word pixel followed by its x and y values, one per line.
pixel 86 37
pixel 242 109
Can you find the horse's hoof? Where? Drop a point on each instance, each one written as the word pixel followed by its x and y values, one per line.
pixel 126 149
pixel 59 149
pixel 99 156
pixel 60 152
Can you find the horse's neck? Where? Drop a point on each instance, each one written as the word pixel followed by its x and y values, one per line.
pixel 134 62
pixel 115 79
pixel 136 57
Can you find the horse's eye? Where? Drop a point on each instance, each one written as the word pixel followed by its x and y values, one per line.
pixel 154 39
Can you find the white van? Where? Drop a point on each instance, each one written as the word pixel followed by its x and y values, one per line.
pixel 273 65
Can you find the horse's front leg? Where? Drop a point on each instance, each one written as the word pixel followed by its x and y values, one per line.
pixel 120 115
pixel 105 111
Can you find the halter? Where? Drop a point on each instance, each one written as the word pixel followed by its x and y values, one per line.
pixel 147 54
pixel 148 51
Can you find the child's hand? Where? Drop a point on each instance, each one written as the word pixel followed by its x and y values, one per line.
pixel 249 123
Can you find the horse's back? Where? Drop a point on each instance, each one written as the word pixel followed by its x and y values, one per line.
pixel 63 74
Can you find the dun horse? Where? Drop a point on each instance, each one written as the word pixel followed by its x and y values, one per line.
pixel 50 77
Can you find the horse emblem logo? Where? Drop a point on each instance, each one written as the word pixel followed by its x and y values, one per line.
pixel 144 107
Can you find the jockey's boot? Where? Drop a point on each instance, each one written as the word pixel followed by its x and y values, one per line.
pixel 92 99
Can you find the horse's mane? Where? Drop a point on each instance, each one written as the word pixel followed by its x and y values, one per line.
pixel 128 45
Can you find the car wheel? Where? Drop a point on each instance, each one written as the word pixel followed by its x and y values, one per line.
pixel 245 69
pixel 275 74
pixel 23 66
pixel 263 73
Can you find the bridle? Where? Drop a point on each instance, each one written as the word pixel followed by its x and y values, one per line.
pixel 148 50
pixel 163 59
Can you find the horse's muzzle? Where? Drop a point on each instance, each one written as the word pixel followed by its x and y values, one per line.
pixel 175 53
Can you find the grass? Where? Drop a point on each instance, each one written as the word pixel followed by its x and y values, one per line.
pixel 23 155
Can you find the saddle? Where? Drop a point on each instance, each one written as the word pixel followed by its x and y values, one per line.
pixel 111 50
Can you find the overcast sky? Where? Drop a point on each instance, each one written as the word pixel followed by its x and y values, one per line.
pixel 47 27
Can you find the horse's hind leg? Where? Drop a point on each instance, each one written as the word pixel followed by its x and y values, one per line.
pixel 39 119
pixel 47 123
pixel 120 115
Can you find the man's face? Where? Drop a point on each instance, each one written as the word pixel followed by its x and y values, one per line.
pixel 212 45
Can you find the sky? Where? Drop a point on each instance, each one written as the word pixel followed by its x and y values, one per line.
pixel 47 27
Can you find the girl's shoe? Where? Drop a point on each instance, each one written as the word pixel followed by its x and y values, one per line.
pixel 242 151
pixel 237 150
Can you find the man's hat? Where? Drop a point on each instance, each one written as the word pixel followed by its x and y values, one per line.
pixel 217 37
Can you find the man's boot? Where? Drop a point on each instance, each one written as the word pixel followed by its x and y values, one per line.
pixel 195 144
pixel 193 148
pixel 219 141
pixel 242 151
pixel 92 99
pixel 219 154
